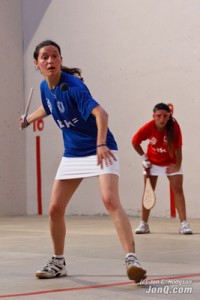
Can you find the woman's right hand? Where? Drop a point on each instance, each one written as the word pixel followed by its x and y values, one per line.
pixel 23 122
pixel 146 162
pixel 26 120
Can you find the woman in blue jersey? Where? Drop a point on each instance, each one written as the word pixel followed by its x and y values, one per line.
pixel 89 150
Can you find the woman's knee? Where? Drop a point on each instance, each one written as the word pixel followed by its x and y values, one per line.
pixel 176 183
pixel 111 203
pixel 178 189
pixel 56 211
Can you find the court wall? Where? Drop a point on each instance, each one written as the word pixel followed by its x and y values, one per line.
pixel 12 141
pixel 134 54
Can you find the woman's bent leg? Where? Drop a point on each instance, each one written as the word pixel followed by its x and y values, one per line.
pixel 110 195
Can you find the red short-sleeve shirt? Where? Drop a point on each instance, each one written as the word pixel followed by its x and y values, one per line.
pixel 157 149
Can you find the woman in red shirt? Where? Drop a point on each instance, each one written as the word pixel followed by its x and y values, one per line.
pixel 163 157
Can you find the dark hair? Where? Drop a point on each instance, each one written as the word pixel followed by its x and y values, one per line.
pixel 169 125
pixel 73 71
pixel 161 106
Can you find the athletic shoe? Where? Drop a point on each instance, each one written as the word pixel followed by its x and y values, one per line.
pixel 56 267
pixel 142 228
pixel 134 270
pixel 185 228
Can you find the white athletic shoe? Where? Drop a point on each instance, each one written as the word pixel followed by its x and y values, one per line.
pixel 185 228
pixel 142 228
pixel 134 270
pixel 56 267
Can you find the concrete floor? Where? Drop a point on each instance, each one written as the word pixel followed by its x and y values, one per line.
pixel 95 260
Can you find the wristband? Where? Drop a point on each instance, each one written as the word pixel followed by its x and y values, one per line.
pixel 146 164
pixel 26 123
pixel 101 145
pixel 144 157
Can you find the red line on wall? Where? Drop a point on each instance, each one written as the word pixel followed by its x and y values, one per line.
pixel 39 179
pixel 172 204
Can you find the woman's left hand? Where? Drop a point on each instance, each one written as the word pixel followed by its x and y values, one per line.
pixel 172 169
pixel 104 155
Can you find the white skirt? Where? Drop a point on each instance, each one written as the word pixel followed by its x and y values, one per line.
pixel 81 167
pixel 161 171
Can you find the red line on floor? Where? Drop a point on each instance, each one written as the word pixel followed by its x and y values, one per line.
pixel 98 286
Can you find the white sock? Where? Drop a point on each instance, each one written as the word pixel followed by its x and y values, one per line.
pixel 184 222
pixel 58 256
pixel 143 222
pixel 130 254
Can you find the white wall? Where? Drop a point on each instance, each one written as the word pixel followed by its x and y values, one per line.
pixel 134 54
pixel 12 141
